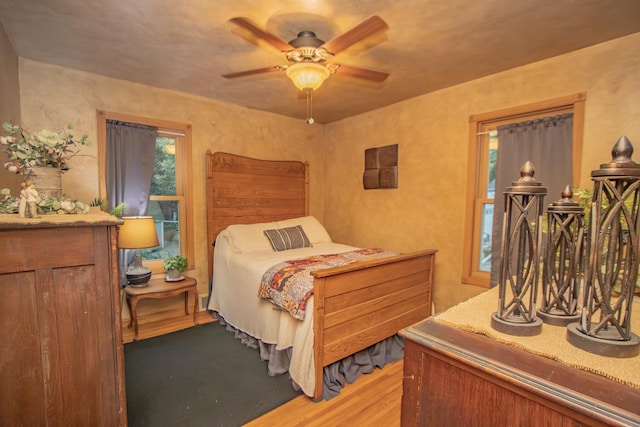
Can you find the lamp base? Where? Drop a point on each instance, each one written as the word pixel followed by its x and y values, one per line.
pixel 138 279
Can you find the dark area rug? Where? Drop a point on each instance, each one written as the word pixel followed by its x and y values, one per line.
pixel 201 376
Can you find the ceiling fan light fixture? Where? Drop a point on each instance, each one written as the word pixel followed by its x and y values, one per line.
pixel 307 75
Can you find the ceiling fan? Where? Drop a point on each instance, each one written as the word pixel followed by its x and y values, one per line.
pixel 309 57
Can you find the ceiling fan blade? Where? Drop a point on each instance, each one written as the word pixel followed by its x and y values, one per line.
pixel 354 35
pixel 362 73
pixel 273 40
pixel 252 72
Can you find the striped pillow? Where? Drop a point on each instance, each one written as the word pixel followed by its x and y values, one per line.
pixel 288 238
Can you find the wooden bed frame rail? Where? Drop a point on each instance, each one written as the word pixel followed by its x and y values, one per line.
pixel 358 305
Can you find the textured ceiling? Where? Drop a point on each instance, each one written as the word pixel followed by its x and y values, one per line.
pixel 187 45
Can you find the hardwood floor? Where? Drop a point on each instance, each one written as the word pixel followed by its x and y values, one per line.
pixel 163 323
pixel 372 400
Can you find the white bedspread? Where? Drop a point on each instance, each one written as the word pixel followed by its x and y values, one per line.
pixel 236 278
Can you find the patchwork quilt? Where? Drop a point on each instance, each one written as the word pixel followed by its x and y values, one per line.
pixel 289 284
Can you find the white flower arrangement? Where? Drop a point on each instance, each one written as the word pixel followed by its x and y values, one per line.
pixel 44 148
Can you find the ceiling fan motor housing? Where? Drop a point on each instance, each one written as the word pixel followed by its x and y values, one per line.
pixel 306 39
pixel 307 48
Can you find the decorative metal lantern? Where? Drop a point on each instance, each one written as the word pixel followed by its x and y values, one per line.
pixel 612 259
pixel 562 261
pixel 519 262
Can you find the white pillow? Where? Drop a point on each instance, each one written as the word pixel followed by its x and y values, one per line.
pixel 250 237
pixel 311 226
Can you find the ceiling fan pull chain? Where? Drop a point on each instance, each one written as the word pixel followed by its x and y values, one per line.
pixel 309 120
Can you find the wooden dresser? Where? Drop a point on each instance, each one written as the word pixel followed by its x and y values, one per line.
pixel 61 358
pixel 458 378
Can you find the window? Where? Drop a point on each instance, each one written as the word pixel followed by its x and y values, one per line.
pixel 170 201
pixel 483 154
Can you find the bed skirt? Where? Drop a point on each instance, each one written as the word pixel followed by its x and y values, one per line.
pixel 336 375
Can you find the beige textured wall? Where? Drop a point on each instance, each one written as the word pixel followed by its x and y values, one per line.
pixel 428 208
pixel 53 96
pixel 10 105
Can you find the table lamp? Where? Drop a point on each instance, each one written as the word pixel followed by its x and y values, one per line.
pixel 137 232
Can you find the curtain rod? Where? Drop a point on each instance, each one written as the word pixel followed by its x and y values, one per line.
pixel 490 132
pixel 168 132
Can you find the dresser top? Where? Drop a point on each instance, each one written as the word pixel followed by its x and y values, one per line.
pixel 8 221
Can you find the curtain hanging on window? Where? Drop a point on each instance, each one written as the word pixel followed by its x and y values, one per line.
pixel 547 143
pixel 129 169
pixel 130 151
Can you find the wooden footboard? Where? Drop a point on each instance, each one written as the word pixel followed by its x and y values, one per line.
pixel 358 305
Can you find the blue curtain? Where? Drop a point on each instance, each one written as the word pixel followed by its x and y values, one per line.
pixel 130 151
pixel 548 144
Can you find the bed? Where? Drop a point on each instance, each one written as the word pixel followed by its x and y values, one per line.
pixel 354 307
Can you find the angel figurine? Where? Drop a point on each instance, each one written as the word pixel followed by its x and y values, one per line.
pixel 31 196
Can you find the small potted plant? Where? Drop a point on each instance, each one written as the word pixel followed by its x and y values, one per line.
pixel 174 267
pixel 98 204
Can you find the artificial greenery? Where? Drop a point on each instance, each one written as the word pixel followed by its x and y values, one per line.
pixel 44 148
pixel 175 263
pixel 117 211
pixel 56 205
pixel 53 206
pixel 62 205
pixel 98 202
pixel 8 203
pixel 583 196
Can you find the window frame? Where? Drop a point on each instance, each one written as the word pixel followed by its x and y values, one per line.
pixel 184 181
pixel 477 170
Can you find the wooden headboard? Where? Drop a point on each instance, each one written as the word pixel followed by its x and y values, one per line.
pixel 241 190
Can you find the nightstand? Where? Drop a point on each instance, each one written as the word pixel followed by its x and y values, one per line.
pixel 160 288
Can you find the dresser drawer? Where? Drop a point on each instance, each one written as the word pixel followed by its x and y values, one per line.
pixel 36 249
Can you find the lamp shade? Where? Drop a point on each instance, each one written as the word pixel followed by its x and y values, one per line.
pixel 307 75
pixel 137 232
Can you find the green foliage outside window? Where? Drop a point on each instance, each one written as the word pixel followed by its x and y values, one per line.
pixel 163 204
pixel 163 182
